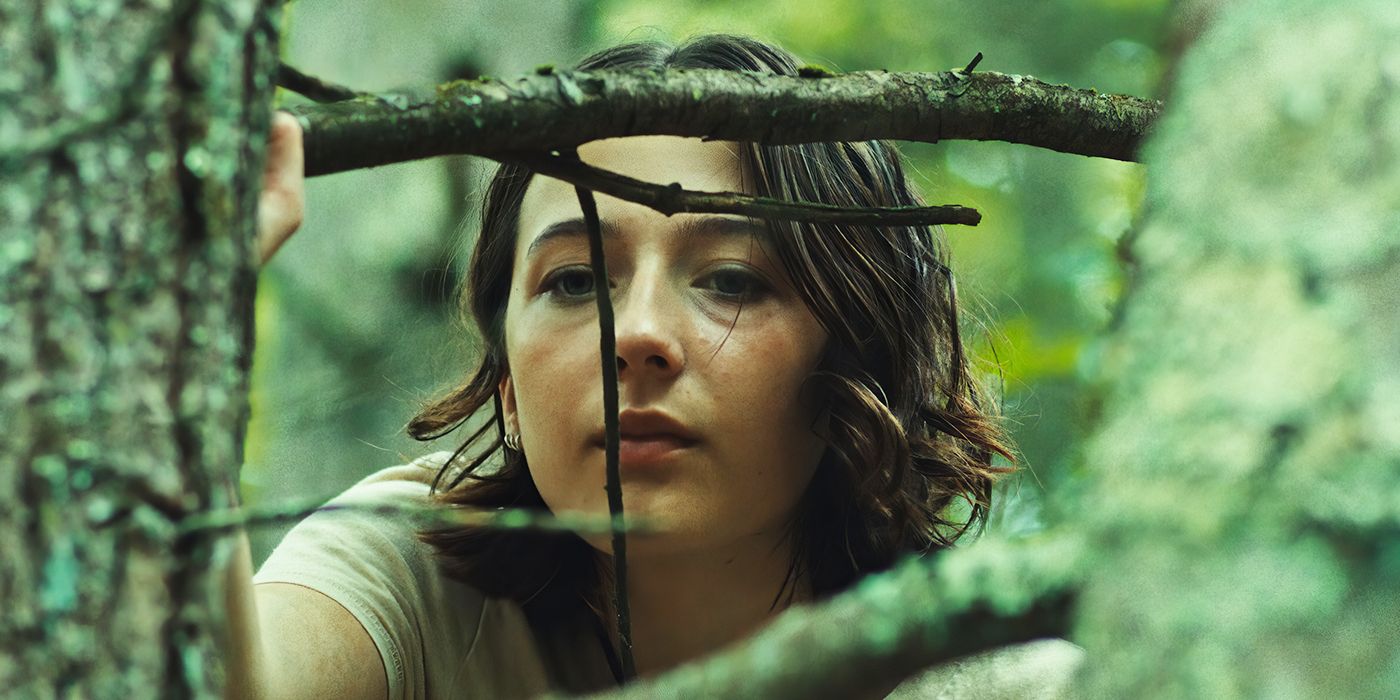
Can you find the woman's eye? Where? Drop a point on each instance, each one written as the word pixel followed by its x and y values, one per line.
pixel 734 283
pixel 570 283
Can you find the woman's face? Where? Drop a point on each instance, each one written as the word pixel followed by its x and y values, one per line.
pixel 738 449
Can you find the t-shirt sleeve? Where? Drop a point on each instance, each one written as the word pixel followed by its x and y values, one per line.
pixel 372 564
pixel 1039 670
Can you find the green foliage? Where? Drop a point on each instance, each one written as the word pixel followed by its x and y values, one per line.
pixel 1038 275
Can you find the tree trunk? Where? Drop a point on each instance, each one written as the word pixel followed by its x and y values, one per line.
pixel 1247 468
pixel 131 142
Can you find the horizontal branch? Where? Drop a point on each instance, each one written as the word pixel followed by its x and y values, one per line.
pixel 561 110
pixel 672 199
pixel 892 625
pixel 427 514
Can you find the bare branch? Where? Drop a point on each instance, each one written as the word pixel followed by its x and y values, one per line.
pixel 560 110
pixel 313 88
pixel 672 199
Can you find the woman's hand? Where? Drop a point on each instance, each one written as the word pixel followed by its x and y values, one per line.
pixel 283 200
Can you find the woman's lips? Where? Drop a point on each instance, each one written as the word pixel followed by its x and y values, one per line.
pixel 649 450
pixel 648 437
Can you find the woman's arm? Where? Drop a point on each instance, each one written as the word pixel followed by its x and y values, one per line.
pixel 287 641
pixel 291 642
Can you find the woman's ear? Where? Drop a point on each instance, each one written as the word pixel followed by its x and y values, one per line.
pixel 506 390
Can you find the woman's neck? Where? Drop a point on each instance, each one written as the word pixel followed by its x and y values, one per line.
pixel 688 605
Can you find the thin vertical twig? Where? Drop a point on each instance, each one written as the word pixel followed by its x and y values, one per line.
pixel 607 346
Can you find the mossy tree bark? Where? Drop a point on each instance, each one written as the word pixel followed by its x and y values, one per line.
pixel 130 145
pixel 1245 498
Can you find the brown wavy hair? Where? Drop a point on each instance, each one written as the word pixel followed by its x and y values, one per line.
pixel 909 432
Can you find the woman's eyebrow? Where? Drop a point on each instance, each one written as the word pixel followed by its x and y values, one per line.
pixel 687 228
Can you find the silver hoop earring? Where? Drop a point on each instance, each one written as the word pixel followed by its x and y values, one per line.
pixel 513 441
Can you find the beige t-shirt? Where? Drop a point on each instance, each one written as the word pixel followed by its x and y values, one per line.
pixel 439 638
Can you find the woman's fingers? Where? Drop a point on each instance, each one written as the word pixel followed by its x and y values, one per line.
pixel 282 203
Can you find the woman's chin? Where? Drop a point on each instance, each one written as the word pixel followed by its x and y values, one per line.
pixel 665 521
pixel 655 541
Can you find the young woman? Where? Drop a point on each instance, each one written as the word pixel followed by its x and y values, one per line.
pixel 796 412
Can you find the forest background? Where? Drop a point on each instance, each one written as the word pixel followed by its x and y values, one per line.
pixel 356 318
pixel 1231 528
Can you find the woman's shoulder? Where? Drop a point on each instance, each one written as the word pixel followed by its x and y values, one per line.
pixel 364 535
pixel 372 526
pixel 1041 669
pixel 437 637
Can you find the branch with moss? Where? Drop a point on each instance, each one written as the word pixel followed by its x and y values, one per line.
pixel 561 110
pixel 890 626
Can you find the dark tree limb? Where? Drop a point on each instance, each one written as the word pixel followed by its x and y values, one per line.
pixel 863 642
pixel 560 110
pixel 671 199
pixel 313 88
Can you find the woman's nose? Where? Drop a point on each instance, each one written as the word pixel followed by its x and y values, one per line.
pixel 646 324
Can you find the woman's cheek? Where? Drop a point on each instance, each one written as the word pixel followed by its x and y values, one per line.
pixel 756 384
pixel 547 365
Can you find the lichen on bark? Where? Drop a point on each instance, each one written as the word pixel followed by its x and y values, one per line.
pixel 1246 475
pixel 126 215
